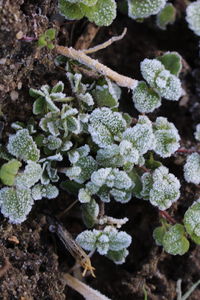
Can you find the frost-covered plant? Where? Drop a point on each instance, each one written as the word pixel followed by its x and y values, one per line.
pixel 193 16
pixel 197 133
pixel 166 16
pixel 192 168
pixel 139 9
pixel 101 12
pixel 161 75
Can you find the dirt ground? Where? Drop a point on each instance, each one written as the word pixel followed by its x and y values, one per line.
pixel 36 258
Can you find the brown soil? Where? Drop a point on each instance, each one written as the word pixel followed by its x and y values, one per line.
pixel 32 259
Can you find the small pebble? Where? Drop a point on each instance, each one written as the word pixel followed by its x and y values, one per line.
pixel 14 95
pixel 19 35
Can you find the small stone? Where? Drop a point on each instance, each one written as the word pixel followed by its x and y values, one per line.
pixel 14 95
pixel 13 239
pixel 19 35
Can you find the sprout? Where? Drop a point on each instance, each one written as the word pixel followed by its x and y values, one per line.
pixel 166 137
pixel 102 12
pixel 145 99
pixel 197 133
pixel 193 16
pixel 138 9
pixel 174 241
pixel 22 146
pixel 108 241
pixel 192 168
pixel 15 204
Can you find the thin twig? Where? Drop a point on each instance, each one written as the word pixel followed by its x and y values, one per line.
pixel 106 44
pixel 166 216
pixel 67 209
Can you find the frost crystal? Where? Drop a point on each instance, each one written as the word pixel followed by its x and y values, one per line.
pixel 138 9
pixel 22 146
pixel 145 99
pixel 15 204
pixel 193 16
pixel 161 188
pixel 192 222
pixel 174 241
pixel 48 191
pixel 166 137
pixel 106 126
pixel 141 135
pixel 192 168
pixel 30 176
pixel 105 241
pixel 197 133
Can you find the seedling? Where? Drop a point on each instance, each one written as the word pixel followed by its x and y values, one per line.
pixel 46 39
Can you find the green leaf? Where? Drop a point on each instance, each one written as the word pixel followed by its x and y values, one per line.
pixel 22 146
pixel 8 171
pixel 172 62
pixel 30 176
pixel 15 204
pixel 39 106
pixel 174 241
pixel 42 41
pixel 102 13
pixel 71 187
pixel 118 257
pixel 50 34
pixel 137 181
pixel 71 11
pixel 158 235
pixel 192 222
pixel 166 16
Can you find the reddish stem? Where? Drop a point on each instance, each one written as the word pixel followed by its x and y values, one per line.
pixel 29 38
pixel 166 216
pixel 187 151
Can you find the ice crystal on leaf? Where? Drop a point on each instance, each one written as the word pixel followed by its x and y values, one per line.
pixel 48 191
pixel 141 135
pixel 145 99
pixel 106 126
pixel 161 188
pixel 192 222
pixel 193 16
pixel 192 168
pixel 90 212
pixel 174 241
pixel 138 9
pixel 22 146
pixel 166 137
pixel 30 176
pixel 15 204
pixel 105 241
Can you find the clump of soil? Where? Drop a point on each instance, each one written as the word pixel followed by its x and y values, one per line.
pixel 36 259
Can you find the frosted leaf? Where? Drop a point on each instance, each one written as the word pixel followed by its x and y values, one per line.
pixel 48 191
pixel 71 11
pixel 166 16
pixel 58 87
pixel 90 212
pixel 158 235
pixel 22 146
pixel 171 61
pixel 174 241
pixel 128 152
pixel 147 184
pixel 15 204
pixel 193 16
pixel 141 135
pixel 56 157
pixel 121 180
pixel 102 13
pixel 192 222
pixel 87 240
pixel 99 177
pixel 68 111
pixel 150 68
pixel 105 126
pixel 197 133
pixel 30 176
pixel 103 244
pixel 52 142
pixel 84 196
pixel 145 99
pixel 119 241
pixel 66 146
pixel 165 190
pixel 110 157
pixel 77 86
pixel 168 86
pixel 118 257
pixel 121 196
pixel 92 188
pixel 74 155
pixel 51 123
pixel 192 168
pixel 86 98
pixel 138 9
pixel 8 171
pixel 104 194
pixel 48 173
pixel 73 172
pixel 86 2
pixel 166 137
